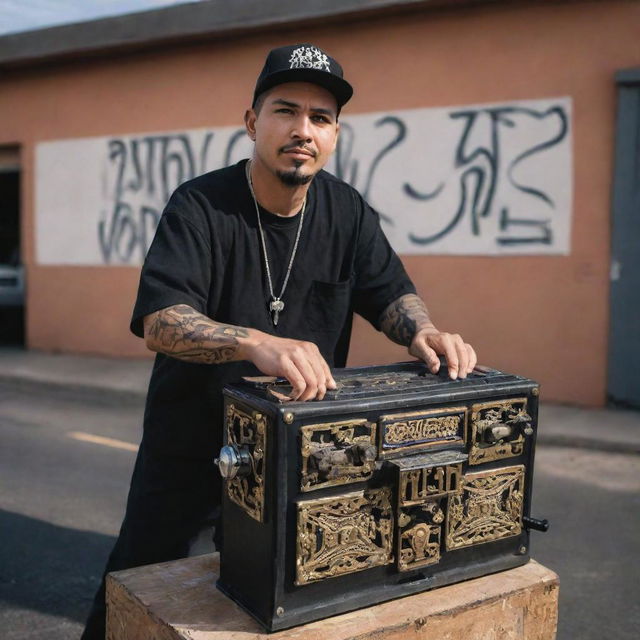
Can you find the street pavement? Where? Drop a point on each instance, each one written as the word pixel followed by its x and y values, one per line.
pixel 69 428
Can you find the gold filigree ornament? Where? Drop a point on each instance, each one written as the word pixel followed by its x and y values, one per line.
pixel 248 429
pixel 498 430
pixel 487 508
pixel 343 534
pixel 419 535
pixel 429 475
pixel 419 430
pixel 337 453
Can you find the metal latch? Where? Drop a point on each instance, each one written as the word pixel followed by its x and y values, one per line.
pixel 233 461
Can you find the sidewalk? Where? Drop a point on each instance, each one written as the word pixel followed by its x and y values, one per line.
pixel 106 380
pixel 112 380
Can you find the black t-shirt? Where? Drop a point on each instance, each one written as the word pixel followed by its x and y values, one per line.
pixel 207 254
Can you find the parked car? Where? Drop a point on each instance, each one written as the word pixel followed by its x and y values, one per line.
pixel 11 286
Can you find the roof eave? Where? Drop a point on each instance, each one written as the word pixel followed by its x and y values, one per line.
pixel 193 22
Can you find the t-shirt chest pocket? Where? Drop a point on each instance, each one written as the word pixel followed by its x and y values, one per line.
pixel 328 305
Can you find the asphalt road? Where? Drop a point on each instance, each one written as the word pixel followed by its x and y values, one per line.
pixel 62 497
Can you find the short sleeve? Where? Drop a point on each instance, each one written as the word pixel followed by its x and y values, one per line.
pixel 380 277
pixel 177 269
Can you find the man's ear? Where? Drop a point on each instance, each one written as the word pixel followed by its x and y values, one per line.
pixel 250 123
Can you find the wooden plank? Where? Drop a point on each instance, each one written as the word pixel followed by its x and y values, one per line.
pixel 179 600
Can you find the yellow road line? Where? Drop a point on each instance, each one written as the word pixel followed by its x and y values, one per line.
pixel 107 442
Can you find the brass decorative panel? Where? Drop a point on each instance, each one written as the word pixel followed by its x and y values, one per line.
pixel 419 535
pixel 498 430
pixel 488 507
pixel 343 534
pixel 336 453
pixel 248 429
pixel 416 486
pixel 426 476
pixel 403 433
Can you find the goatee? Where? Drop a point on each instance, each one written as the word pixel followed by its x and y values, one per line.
pixel 293 178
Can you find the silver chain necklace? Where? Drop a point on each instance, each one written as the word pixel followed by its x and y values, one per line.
pixel 276 304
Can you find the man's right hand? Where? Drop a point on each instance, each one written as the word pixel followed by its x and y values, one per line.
pixel 301 363
pixel 182 332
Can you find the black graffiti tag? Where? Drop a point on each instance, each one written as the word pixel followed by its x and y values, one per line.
pixel 143 172
pixel 347 166
pixel 478 169
pixel 146 171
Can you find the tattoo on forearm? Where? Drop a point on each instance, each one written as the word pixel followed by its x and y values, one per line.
pixel 403 317
pixel 180 331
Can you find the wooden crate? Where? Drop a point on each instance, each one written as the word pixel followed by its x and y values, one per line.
pixel 179 600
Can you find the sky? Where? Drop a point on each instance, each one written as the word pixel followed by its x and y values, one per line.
pixel 25 15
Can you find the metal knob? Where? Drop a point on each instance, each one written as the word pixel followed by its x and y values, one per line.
pixel 496 433
pixel 535 523
pixel 233 461
pixel 367 453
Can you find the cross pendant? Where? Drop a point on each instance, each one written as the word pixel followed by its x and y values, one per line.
pixel 276 306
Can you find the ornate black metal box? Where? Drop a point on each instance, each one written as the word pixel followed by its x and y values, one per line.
pixel 397 482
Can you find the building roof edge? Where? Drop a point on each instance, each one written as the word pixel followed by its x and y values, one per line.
pixel 195 21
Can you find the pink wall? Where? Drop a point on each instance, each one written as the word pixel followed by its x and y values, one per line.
pixel 545 317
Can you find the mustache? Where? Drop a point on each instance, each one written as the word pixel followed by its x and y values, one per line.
pixel 298 145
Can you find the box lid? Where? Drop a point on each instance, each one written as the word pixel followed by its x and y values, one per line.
pixel 374 383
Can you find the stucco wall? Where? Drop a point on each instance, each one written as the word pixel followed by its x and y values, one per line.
pixel 541 316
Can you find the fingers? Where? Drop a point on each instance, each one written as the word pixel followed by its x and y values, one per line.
pixel 325 378
pixel 295 378
pixel 301 363
pixel 420 349
pixel 460 356
pixel 331 383
pixel 473 359
pixel 310 373
pixel 305 385
pixel 313 374
pixel 452 348
pixel 463 356
pixel 451 355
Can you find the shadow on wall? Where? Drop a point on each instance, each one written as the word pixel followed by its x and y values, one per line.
pixel 47 568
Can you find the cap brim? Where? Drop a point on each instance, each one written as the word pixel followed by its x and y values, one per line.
pixel 340 88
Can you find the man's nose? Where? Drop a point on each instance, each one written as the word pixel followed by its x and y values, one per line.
pixel 302 128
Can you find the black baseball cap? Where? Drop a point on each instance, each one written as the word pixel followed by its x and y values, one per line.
pixel 303 63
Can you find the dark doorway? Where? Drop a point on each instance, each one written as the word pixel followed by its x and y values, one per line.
pixel 12 289
pixel 624 338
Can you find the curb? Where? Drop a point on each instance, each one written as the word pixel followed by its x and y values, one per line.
pixel 591 444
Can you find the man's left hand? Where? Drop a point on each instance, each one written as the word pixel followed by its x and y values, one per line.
pixel 429 343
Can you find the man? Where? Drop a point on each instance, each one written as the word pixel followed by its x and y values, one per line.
pixel 257 268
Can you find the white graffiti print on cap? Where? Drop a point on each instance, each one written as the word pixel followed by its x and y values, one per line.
pixel 309 58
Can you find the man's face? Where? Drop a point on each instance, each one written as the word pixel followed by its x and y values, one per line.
pixel 295 129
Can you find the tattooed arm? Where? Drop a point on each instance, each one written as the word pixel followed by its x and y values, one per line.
pixel 406 321
pixel 404 317
pixel 182 332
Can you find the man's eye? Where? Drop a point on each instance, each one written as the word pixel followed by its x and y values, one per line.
pixel 324 119
pixel 284 110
